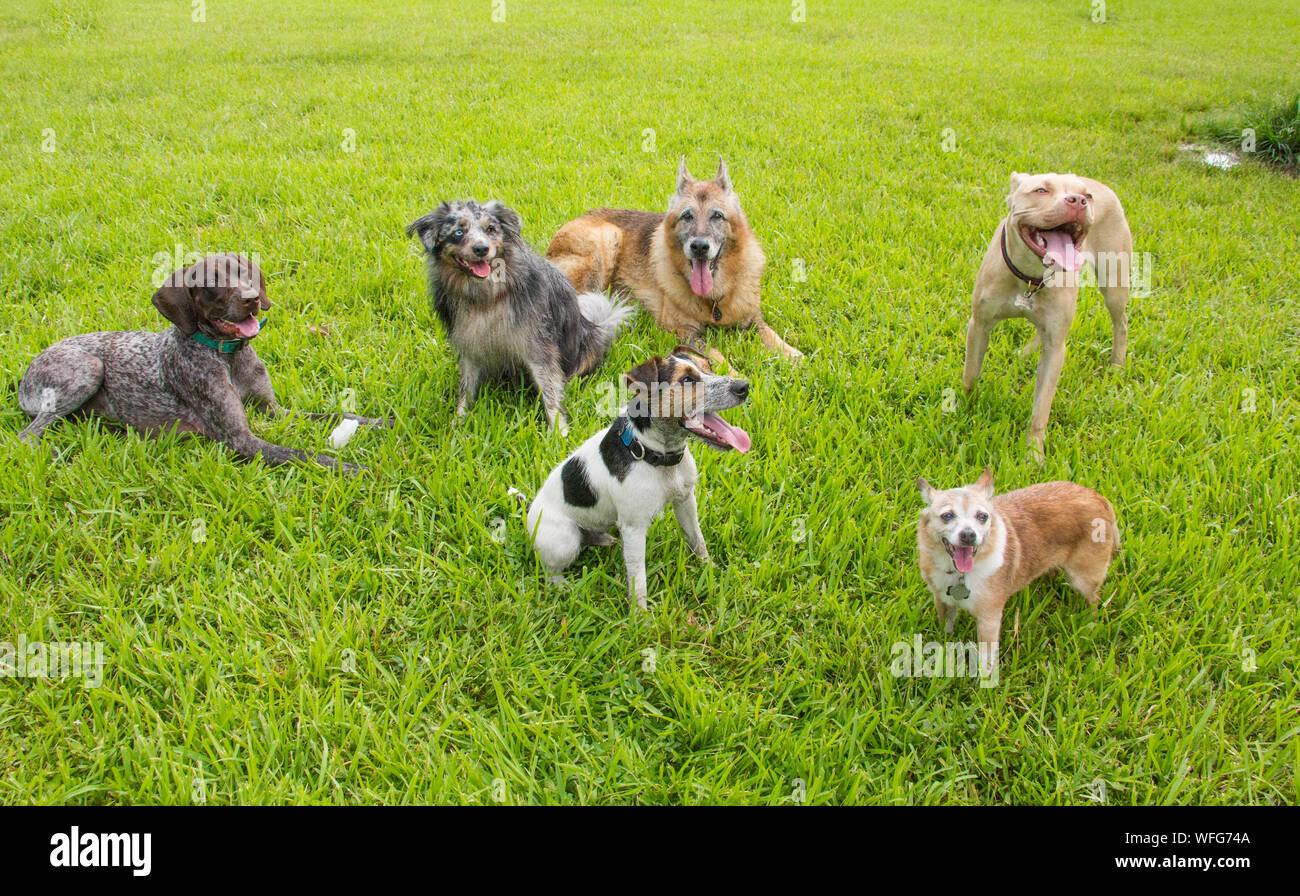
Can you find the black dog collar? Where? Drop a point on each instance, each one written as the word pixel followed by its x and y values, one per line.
pixel 1011 265
pixel 639 451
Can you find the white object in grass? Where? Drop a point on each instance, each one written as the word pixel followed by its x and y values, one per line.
pixel 1222 160
pixel 343 433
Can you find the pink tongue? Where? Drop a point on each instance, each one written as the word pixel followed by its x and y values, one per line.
pixel 964 557
pixel 1060 249
pixel 733 435
pixel 248 328
pixel 701 278
pixel 481 268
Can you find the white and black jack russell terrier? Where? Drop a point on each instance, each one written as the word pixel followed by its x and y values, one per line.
pixel 624 475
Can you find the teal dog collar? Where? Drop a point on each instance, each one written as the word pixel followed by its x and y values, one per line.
pixel 226 346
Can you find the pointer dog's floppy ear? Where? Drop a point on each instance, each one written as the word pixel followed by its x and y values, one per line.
pixel 175 300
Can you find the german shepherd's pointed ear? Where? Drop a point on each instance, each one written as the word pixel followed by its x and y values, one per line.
pixel 684 179
pixel 427 227
pixel 926 490
pixel 722 179
pixel 176 302
pixel 508 218
pixel 985 483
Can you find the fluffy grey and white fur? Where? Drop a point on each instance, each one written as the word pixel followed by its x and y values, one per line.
pixel 506 309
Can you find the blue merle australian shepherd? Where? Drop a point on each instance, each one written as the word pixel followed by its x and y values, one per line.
pixel 508 311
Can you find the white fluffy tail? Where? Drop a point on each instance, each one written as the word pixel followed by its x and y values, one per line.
pixel 605 317
pixel 606 313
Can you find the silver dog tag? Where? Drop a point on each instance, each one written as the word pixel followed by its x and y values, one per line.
pixel 958 591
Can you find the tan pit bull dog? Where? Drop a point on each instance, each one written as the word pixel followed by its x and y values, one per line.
pixel 1055 223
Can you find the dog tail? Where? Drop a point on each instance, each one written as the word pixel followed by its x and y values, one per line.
pixel 604 317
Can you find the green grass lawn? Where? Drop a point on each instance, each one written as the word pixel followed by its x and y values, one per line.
pixel 287 635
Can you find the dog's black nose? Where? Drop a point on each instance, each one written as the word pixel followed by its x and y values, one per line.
pixel 700 248
pixel 740 389
pixel 967 537
pixel 481 249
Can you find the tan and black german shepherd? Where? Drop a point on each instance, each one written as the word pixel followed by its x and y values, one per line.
pixel 698 265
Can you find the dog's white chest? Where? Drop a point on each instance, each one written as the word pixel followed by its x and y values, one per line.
pixel 955 589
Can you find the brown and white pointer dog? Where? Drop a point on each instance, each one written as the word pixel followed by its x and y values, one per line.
pixel 195 377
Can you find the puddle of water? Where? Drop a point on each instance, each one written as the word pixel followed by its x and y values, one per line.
pixel 1223 160
pixel 1215 158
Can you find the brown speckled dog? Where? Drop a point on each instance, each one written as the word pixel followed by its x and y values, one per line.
pixel 696 266
pixel 976 550
pixel 194 377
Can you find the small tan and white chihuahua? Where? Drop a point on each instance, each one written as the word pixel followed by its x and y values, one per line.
pixel 976 550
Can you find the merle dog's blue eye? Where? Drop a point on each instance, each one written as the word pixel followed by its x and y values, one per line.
pixel 459 233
